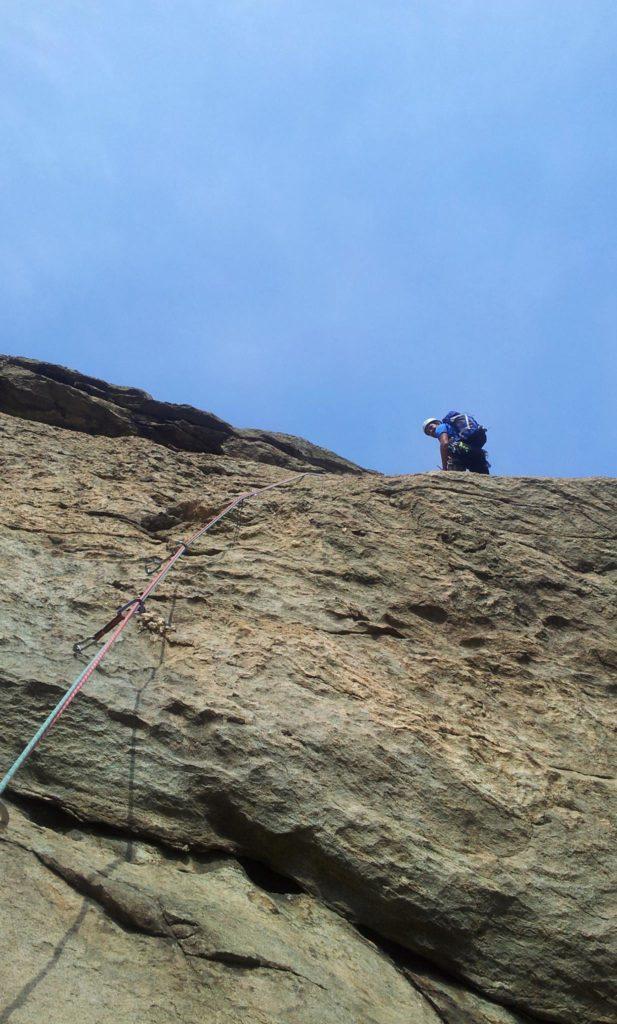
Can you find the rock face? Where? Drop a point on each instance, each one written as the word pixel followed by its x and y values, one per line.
pixel 125 931
pixel 355 763
pixel 65 398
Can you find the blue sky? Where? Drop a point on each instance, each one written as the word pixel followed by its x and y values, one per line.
pixel 330 219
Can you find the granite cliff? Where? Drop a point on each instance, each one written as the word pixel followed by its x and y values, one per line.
pixel 355 763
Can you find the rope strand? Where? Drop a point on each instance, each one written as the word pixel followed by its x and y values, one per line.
pixel 121 620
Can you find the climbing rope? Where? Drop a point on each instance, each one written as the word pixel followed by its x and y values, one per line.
pixel 121 620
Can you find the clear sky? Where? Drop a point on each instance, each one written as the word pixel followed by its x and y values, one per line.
pixel 331 218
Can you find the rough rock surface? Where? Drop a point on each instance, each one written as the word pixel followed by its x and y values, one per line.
pixel 124 931
pixel 396 693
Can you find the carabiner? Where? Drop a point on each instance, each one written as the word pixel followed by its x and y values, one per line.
pixel 82 645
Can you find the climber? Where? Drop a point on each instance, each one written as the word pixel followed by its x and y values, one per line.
pixel 461 440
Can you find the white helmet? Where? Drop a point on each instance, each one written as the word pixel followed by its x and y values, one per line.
pixel 431 419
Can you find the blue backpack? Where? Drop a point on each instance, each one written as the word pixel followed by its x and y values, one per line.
pixel 466 428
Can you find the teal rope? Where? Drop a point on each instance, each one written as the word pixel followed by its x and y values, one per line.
pixel 100 654
pixel 38 736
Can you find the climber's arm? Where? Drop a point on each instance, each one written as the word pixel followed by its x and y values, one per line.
pixel 444 442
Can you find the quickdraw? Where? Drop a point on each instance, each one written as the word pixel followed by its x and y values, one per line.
pixel 117 624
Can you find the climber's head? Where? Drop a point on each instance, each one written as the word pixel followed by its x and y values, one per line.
pixel 430 425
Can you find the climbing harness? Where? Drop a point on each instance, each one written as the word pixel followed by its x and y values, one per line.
pixel 119 622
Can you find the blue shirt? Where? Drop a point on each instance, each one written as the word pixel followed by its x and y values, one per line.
pixel 445 428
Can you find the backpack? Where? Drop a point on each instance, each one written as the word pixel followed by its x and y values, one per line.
pixel 467 429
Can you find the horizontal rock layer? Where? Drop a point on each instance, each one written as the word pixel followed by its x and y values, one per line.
pixel 395 692
pixel 40 391
pixel 124 931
